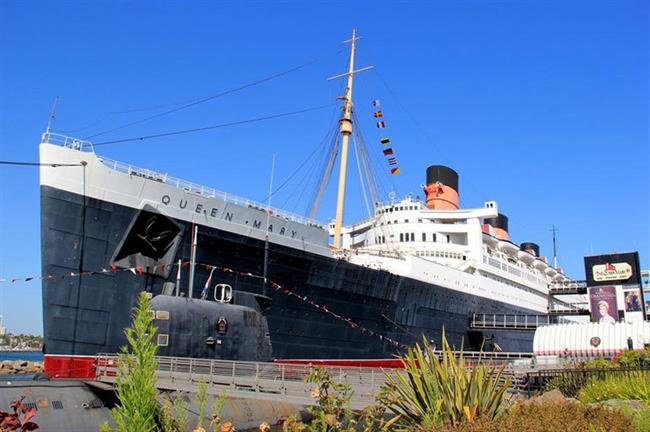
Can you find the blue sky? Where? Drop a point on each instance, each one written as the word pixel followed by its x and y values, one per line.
pixel 539 105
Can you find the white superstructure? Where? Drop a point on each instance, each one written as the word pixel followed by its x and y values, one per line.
pixel 452 248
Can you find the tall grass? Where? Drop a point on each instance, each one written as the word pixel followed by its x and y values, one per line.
pixel 632 385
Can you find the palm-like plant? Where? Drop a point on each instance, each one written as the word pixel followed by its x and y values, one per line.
pixel 433 391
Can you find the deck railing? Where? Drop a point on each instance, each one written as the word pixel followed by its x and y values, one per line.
pixel 187 186
pixel 66 141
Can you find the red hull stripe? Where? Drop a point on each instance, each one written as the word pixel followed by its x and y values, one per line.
pixel 69 366
pixel 372 363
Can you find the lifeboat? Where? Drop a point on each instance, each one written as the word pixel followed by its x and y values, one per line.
pixel 526 257
pixel 508 247
pixel 540 264
pixel 550 272
pixel 490 240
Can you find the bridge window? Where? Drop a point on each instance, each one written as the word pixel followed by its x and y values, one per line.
pixel 412 236
pixel 424 237
pixel 401 237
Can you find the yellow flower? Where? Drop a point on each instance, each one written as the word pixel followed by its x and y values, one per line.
pixel 227 427
pixel 264 427
pixel 315 393
pixel 330 419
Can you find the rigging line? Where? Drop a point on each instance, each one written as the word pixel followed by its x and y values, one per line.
pixel 322 143
pixel 301 186
pixel 374 161
pixel 311 168
pixel 222 125
pixel 305 186
pixel 312 187
pixel 205 99
pixel 417 124
pixel 313 164
pixel 296 171
pixel 193 101
pixel 325 177
pixel 53 165
pixel 398 326
pixel 355 145
pixel 368 169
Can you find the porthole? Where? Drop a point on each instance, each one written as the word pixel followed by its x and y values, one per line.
pixel 163 340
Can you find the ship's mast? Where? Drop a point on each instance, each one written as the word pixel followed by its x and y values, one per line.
pixel 345 127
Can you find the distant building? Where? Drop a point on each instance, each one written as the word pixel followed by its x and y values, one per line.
pixel 3 329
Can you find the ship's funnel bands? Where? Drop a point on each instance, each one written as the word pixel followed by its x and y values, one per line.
pixel 441 188
pixel 500 226
pixel 531 248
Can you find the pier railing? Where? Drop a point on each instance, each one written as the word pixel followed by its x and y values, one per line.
pixel 284 380
pixel 250 379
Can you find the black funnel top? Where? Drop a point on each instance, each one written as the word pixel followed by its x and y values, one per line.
pixel 501 221
pixel 444 175
pixel 530 246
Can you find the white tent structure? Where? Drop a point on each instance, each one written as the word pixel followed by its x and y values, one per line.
pixel 590 339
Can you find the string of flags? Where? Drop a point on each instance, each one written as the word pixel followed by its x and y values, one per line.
pixel 385 141
pixel 140 270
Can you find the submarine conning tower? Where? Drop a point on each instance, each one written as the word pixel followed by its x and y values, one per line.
pixel 441 188
pixel 499 225
pixel 531 248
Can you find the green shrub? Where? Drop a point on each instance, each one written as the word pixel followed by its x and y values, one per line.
pixel 563 416
pixel 136 380
pixel 634 359
pixel 638 412
pixel 332 411
pixel 632 385
pixel 600 363
pixel 432 392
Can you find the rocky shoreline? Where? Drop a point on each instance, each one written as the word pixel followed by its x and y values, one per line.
pixel 15 367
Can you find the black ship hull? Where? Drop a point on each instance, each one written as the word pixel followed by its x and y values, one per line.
pixel 87 315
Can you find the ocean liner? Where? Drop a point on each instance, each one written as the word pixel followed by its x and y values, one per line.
pixel 277 285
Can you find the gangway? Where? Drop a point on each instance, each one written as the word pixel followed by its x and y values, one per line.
pixel 568 288
pixel 514 321
pixel 560 309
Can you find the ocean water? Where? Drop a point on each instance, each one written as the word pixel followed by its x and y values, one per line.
pixel 21 355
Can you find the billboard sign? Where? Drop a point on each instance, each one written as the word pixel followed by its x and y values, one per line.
pixel 602 302
pixel 621 268
pixel 618 269
pixel 611 272
pixel 632 299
